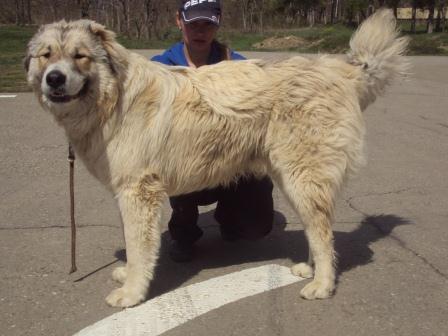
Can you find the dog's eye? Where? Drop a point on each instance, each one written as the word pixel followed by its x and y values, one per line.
pixel 80 56
pixel 46 55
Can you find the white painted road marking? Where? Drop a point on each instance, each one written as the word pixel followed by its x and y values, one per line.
pixel 172 309
pixel 8 96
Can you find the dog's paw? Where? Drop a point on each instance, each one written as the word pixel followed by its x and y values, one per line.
pixel 123 297
pixel 119 274
pixel 317 290
pixel 302 270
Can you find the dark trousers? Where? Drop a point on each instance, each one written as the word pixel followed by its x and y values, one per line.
pixel 244 208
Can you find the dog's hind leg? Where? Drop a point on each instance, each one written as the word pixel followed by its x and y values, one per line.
pixel 311 189
pixel 140 205
pixel 315 202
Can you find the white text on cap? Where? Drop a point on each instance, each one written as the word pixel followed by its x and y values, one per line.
pixel 195 2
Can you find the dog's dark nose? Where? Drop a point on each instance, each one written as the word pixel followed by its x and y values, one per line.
pixel 55 79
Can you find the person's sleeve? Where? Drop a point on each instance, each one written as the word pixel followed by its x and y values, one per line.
pixel 236 57
pixel 162 59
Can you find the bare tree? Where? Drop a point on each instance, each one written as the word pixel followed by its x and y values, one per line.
pixel 260 7
pixel 137 15
pixel 22 12
pixel 149 18
pixel 244 6
pixel 441 16
pixel 334 11
pixel 84 6
pixel 125 26
pixel 28 11
pixel 247 10
pixel 414 16
pixel 430 21
pixel 53 5
pixel 154 18
pixel 18 17
pixel 444 15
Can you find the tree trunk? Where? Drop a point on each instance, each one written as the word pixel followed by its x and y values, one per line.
pixel 54 8
pixel 323 15
pixel 28 11
pixel 244 17
pixel 84 8
pixel 340 10
pixel 112 16
pixel 260 4
pixel 312 17
pixel 138 28
pixel 414 17
pixel 17 12
pixel 128 28
pixel 244 7
pixel 118 20
pixel 430 24
pixel 22 11
pixel 438 19
pixel 333 11
pixel 149 18
pixel 124 26
pixel 105 9
pixel 251 17
pixel 444 12
pixel 157 13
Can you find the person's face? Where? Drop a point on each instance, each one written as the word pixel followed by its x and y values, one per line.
pixel 198 35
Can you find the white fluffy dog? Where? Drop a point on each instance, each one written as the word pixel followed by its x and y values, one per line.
pixel 147 131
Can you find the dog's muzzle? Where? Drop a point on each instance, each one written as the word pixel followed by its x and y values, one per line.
pixel 56 81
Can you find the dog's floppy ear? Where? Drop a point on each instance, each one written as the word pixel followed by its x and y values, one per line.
pixel 117 54
pixel 101 31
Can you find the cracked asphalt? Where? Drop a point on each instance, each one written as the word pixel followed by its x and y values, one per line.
pixel 391 232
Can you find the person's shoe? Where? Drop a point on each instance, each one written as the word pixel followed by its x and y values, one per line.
pixel 181 252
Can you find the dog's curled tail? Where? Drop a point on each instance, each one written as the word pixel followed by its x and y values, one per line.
pixel 378 48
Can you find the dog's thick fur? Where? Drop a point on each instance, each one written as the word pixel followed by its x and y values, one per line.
pixel 146 130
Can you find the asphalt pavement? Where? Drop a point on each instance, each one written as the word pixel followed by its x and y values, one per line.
pixel 391 233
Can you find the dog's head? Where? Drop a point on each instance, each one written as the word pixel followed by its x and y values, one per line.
pixel 70 61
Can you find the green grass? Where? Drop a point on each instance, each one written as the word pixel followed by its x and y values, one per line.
pixel 425 44
pixel 327 39
pixel 13 41
pixel 239 41
pixel 168 38
pixel 330 39
pixel 324 39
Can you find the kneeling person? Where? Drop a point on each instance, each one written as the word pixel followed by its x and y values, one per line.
pixel 244 209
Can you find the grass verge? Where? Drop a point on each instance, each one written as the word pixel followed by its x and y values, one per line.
pixel 13 41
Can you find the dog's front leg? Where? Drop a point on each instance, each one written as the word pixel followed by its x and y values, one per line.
pixel 140 205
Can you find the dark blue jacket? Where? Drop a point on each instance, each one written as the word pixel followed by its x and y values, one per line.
pixel 176 56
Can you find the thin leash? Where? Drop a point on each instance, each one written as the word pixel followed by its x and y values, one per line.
pixel 71 160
